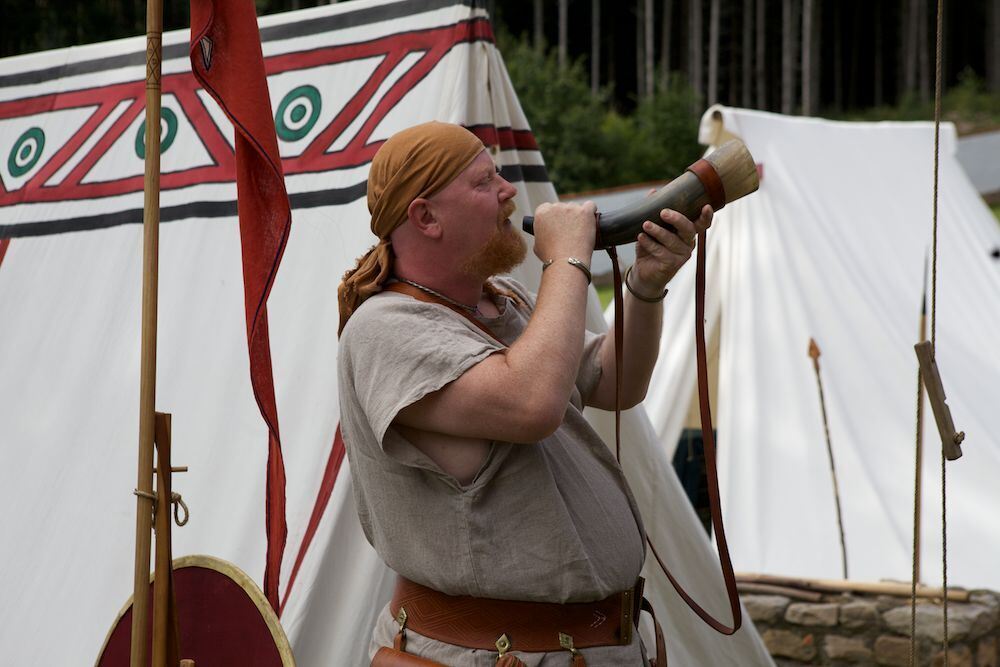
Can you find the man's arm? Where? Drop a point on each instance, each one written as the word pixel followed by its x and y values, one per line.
pixel 659 255
pixel 521 394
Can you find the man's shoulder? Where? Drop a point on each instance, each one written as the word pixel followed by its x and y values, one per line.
pixel 390 315
pixel 385 311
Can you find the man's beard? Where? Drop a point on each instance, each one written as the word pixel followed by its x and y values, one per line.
pixel 504 251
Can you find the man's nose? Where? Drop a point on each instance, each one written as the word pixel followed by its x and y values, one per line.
pixel 507 190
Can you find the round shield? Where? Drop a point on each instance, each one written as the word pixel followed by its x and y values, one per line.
pixel 223 618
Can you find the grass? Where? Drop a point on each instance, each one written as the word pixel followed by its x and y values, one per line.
pixel 607 292
pixel 996 211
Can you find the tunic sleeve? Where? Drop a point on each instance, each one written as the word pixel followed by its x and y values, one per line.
pixel 396 350
pixel 589 374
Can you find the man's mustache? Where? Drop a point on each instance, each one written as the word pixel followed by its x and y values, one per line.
pixel 506 211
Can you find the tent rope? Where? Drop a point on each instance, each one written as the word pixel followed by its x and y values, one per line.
pixel 934 256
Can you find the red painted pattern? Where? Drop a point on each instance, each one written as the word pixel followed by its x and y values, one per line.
pixel 432 43
pixel 337 453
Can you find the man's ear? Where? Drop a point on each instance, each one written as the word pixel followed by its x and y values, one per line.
pixel 421 216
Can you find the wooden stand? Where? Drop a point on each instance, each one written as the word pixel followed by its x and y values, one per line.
pixel 950 438
pixel 165 643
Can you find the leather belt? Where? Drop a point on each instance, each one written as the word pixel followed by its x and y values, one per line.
pixel 512 625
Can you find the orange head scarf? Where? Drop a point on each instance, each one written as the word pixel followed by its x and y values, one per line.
pixel 417 162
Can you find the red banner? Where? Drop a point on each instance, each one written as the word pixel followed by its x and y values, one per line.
pixel 226 59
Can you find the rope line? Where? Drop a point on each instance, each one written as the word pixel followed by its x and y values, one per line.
pixel 937 153
pixel 933 317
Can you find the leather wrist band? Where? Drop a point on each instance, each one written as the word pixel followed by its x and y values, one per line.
pixel 573 261
pixel 657 299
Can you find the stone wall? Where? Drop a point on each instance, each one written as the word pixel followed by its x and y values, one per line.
pixel 861 629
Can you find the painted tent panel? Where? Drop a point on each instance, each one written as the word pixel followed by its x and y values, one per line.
pixel 342 78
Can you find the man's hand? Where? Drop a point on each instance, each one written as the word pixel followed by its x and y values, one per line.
pixel 660 253
pixel 565 230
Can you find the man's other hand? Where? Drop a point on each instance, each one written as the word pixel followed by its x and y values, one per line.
pixel 660 253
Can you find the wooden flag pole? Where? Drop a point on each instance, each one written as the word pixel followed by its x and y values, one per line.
pixel 147 383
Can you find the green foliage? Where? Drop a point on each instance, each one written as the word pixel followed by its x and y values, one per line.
pixel 563 114
pixel 586 143
pixel 664 134
pixel 968 104
pixel 605 293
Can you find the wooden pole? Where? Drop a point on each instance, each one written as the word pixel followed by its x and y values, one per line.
pixel 814 353
pixel 165 647
pixel 139 656
pixel 714 11
pixel 897 589
pixel 918 484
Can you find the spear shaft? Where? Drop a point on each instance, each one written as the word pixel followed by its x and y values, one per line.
pixel 139 656
pixel 814 353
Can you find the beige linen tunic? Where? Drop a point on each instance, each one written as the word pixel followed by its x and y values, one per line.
pixel 553 521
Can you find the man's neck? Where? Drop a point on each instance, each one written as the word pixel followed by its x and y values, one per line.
pixel 456 286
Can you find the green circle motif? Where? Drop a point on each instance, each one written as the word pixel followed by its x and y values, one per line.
pixel 302 106
pixel 20 161
pixel 167 140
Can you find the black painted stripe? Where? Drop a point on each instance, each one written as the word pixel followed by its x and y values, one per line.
pixel 351 19
pixel 227 209
pixel 202 209
pixel 518 173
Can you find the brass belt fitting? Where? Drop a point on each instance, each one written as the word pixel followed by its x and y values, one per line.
pixel 503 645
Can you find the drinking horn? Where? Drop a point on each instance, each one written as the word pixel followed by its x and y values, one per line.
pixel 722 176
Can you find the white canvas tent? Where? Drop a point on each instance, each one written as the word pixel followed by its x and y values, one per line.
pixel 342 78
pixel 833 247
pixel 979 155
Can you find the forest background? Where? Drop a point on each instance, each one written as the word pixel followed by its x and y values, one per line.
pixel 614 89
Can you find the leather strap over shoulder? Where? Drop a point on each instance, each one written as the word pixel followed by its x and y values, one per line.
pixel 661 644
pixel 707 431
pixel 420 295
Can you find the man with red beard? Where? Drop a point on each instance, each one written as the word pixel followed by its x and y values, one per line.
pixel 477 478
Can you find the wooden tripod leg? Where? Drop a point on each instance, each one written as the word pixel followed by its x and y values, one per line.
pixel 165 647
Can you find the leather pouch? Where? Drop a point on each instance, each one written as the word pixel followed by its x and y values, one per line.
pixel 390 657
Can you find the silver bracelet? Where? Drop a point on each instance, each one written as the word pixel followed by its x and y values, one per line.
pixel 639 296
pixel 573 261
